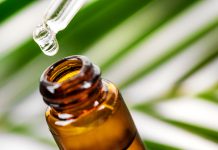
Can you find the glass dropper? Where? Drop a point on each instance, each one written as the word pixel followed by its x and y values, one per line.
pixel 57 17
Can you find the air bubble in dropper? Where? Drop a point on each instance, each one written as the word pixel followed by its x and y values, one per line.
pixel 46 39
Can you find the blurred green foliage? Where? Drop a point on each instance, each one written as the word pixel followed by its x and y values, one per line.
pixel 92 24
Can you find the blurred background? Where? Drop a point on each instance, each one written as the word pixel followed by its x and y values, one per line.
pixel 161 54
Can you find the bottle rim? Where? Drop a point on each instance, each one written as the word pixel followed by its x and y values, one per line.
pixel 57 94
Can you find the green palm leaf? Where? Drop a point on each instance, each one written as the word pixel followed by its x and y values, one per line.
pixel 145 48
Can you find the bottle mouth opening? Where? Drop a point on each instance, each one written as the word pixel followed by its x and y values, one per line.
pixel 68 79
pixel 65 71
pixel 69 68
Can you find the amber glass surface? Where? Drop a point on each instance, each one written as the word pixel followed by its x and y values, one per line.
pixel 86 112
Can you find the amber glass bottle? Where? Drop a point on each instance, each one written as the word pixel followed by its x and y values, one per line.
pixel 85 111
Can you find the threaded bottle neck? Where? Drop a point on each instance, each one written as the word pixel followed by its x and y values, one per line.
pixel 70 82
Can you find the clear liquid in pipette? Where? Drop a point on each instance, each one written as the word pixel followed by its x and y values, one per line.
pixel 57 17
pixel 46 39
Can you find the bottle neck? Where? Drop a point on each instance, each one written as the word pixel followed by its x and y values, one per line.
pixel 71 84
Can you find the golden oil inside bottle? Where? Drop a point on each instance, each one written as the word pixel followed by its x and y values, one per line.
pixel 85 111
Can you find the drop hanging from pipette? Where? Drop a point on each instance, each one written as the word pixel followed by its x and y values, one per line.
pixel 57 17
pixel 46 39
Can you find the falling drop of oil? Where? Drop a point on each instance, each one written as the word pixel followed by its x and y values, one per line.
pixel 46 39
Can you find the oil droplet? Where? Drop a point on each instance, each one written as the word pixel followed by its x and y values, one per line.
pixel 46 39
